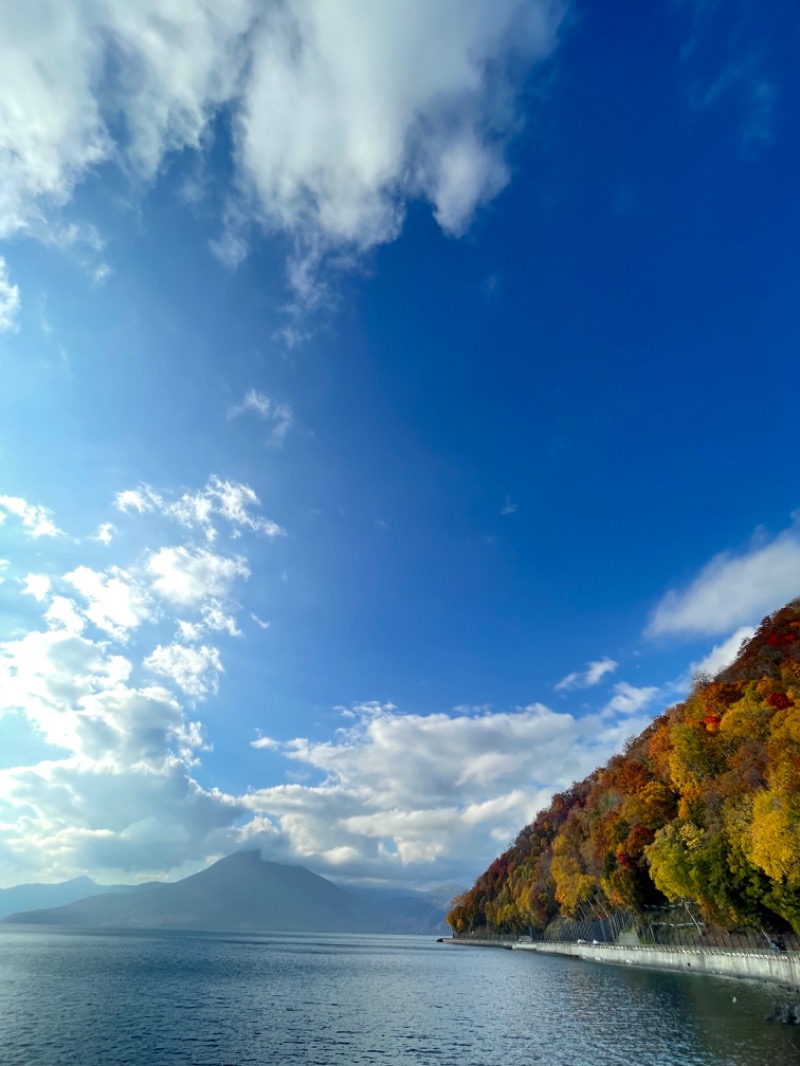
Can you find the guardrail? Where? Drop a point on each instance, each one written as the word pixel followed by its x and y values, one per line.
pixel 736 943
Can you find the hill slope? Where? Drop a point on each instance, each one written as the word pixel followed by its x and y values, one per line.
pixel 704 805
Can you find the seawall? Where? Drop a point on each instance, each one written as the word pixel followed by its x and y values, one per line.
pixel 783 969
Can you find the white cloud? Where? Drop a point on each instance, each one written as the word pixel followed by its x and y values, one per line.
pixel 187 577
pixel 116 791
pixel 230 248
pixel 341 113
pixel 259 621
pixel 190 631
pixel 399 790
pixel 217 619
pixel 143 500
pixel 219 499
pixel 3 566
pixel 628 699
pixel 36 521
pixel 9 299
pixel 115 601
pixel 509 507
pixel 36 585
pixel 194 670
pixel 253 401
pixel 733 590
pixel 116 786
pixel 723 654
pixel 279 414
pixel 265 743
pixel 105 533
pixel 62 614
pixel 592 675
pixel 282 419
pixel 349 111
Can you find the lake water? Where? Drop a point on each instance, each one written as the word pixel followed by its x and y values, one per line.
pixel 70 999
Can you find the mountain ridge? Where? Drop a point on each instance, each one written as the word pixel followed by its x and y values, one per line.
pixel 243 892
pixel 36 896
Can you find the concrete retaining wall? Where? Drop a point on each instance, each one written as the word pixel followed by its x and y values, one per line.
pixel 781 969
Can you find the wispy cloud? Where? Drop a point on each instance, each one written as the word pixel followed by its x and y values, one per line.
pixel 733 589
pixel 253 401
pixel 509 507
pixel 592 675
pixel 724 653
pixel 758 96
pixel 10 302
pixel 230 501
pixel 279 414
pixel 742 78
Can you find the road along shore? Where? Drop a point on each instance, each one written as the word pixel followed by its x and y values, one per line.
pixel 777 968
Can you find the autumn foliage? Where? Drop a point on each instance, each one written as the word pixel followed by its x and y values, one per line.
pixel 704 806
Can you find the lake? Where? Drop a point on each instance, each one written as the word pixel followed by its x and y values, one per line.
pixel 72 999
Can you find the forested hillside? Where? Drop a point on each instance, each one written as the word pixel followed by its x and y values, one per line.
pixel 704 805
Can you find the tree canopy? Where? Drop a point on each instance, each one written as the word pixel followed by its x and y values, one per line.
pixel 704 806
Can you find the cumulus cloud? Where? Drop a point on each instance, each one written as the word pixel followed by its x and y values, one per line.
pixel 115 788
pixel 63 614
pixel 592 675
pixel 114 600
pixel 36 521
pixel 9 299
pixel 194 670
pixel 265 743
pixel 229 501
pixel 188 577
pixel 105 533
pixel 341 113
pixel 36 585
pixel 400 790
pixel 733 590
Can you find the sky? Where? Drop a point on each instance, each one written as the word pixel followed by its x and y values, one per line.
pixel 397 408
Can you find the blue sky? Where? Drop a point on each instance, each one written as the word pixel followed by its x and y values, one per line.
pixel 396 410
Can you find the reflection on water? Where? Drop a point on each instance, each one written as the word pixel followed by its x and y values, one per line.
pixel 147 1000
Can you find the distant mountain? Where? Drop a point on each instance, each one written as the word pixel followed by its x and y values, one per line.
pixel 411 911
pixel 33 896
pixel 243 892
pixel 240 892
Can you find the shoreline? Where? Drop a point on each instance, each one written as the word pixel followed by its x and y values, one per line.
pixel 781 969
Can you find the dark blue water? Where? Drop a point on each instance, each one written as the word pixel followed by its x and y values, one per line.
pixel 148 1000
